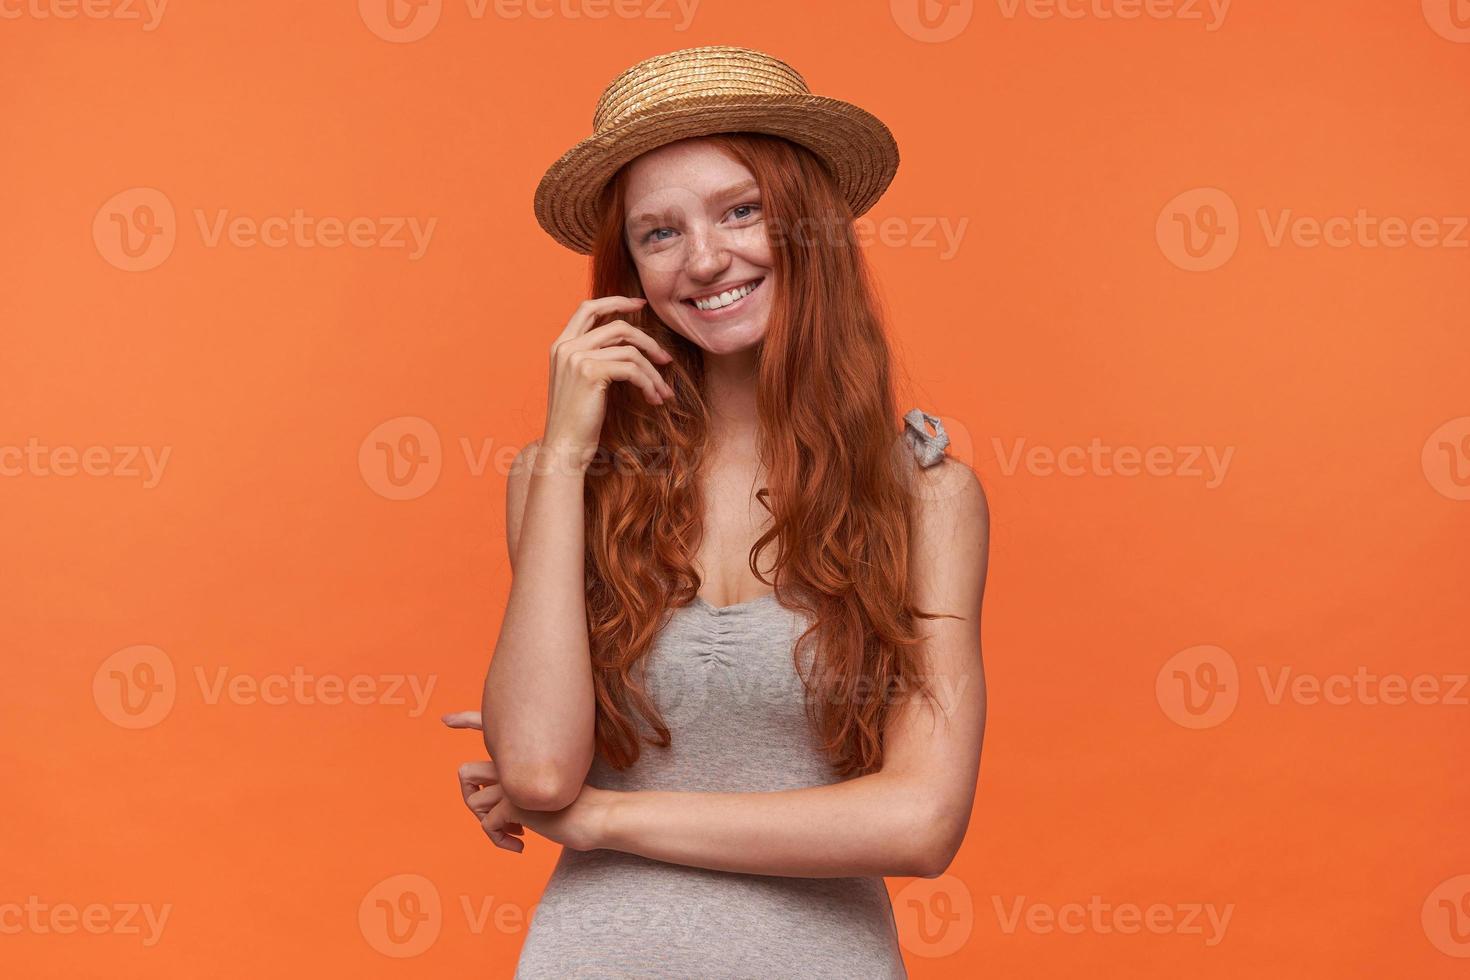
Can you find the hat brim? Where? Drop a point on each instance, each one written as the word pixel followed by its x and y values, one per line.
pixel 854 144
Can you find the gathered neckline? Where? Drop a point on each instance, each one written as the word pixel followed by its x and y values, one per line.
pixel 700 600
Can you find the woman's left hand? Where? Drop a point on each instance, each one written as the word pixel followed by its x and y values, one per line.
pixel 580 826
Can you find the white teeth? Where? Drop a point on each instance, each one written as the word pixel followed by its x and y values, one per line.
pixel 726 298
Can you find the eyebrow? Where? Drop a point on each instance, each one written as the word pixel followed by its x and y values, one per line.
pixel 724 193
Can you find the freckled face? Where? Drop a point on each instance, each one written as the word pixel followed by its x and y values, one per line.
pixel 696 231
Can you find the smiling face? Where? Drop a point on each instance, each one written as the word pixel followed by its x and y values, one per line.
pixel 696 230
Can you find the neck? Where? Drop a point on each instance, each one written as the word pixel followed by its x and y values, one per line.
pixel 729 391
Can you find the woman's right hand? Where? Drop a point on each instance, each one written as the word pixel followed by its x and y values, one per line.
pixel 586 359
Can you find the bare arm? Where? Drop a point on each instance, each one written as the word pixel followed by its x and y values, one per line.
pixel 908 819
pixel 538 700
pixel 538 703
pixel 871 825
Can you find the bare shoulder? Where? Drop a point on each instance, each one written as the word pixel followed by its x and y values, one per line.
pixel 951 537
pixel 947 490
pixel 950 498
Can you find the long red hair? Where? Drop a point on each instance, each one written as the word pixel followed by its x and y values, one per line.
pixel 836 473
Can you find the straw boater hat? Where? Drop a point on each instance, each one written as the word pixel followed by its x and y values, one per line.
pixel 697 92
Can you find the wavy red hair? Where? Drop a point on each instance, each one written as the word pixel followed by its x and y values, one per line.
pixel 836 468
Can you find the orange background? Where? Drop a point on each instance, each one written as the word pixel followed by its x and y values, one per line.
pixel 1335 541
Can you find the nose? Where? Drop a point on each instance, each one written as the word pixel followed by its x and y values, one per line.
pixel 708 255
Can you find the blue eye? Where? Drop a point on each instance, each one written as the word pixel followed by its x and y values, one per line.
pixel 653 236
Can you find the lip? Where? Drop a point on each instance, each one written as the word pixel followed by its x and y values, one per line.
pixel 733 308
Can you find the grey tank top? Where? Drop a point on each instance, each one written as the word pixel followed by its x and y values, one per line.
pixel 725 682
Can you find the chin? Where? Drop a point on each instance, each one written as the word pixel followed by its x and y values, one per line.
pixel 735 342
pixel 729 339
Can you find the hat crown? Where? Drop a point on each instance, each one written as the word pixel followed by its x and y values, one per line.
pixel 680 76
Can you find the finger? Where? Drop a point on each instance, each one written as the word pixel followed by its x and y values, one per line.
pixel 621 330
pixel 627 363
pixel 464 719
pixel 482 801
pixel 473 775
pixel 566 353
pixel 497 827
pixel 509 842
pixel 503 839
pixel 587 313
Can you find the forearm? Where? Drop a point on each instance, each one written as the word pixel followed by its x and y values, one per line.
pixel 538 702
pixel 871 825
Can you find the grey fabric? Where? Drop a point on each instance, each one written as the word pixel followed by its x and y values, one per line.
pixel 725 682
pixel 927 448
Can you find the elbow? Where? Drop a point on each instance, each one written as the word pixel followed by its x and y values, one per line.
pixel 933 863
pixel 935 849
pixel 930 861
pixel 532 781
pixel 541 786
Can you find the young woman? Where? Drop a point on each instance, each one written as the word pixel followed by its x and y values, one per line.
pixel 712 685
